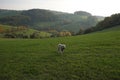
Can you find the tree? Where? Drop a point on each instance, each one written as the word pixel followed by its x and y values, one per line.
pixel 109 22
pixel 10 35
pixel 1 29
pixel 64 33
pixel 81 31
pixel 35 35
pixel 54 33
pixel 89 30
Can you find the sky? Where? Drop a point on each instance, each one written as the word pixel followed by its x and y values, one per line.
pixel 95 7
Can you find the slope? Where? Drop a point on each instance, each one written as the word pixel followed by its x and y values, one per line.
pixel 94 56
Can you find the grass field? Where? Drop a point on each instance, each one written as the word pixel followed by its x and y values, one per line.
pixel 93 56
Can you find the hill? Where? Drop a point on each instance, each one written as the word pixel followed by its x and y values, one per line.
pixel 41 19
pixel 5 13
pixel 108 22
pixel 115 28
pixel 94 56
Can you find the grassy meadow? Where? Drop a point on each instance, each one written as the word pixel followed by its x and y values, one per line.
pixel 94 56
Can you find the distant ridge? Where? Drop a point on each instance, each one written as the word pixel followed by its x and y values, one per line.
pixel 42 19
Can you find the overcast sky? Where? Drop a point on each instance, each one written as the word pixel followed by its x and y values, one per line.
pixel 95 7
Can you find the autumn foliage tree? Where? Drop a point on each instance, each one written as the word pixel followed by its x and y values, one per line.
pixel 1 29
pixel 64 33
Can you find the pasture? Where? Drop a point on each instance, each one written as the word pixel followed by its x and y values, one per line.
pixel 93 56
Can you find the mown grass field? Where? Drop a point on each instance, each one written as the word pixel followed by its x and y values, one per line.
pixel 93 56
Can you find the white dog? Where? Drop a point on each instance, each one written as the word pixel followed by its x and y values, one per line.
pixel 61 48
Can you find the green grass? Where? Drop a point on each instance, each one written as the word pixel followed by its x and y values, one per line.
pixel 93 56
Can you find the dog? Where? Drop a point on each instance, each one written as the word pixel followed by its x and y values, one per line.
pixel 61 48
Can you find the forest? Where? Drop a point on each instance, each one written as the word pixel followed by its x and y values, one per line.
pixel 108 22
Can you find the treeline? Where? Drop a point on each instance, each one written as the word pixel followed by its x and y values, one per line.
pixel 40 15
pixel 108 22
pixel 34 35
pixel 37 35
pixel 29 17
pixel 25 32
